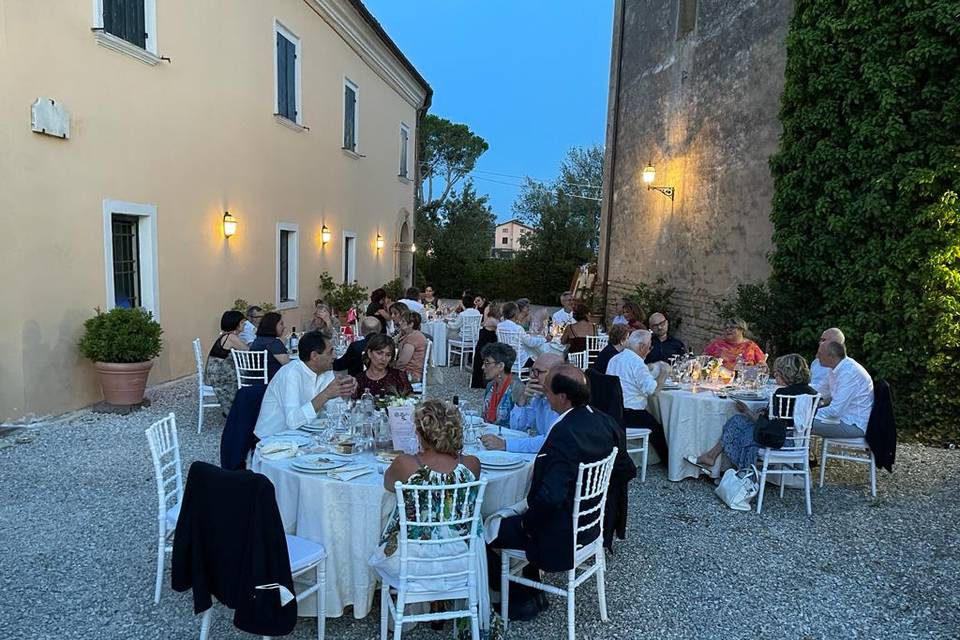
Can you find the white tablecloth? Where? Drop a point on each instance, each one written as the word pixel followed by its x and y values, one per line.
pixel 348 518
pixel 692 423
pixel 437 330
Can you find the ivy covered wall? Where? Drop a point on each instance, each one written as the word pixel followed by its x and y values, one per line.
pixel 865 208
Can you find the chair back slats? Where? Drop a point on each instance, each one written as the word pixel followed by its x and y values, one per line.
pixel 251 367
pixel 579 360
pixel 165 451
pixel 198 356
pixel 441 516
pixel 470 329
pixel 595 344
pixel 590 496
pixel 783 407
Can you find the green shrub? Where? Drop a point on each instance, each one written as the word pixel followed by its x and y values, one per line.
pixel 865 211
pixel 121 336
pixel 343 296
pixel 657 297
pixel 242 305
pixel 394 289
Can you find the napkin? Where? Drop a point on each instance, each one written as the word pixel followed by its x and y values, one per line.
pixel 278 449
pixel 346 474
pixel 491 528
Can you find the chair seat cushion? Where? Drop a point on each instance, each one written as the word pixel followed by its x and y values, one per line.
pixel 775 455
pixel 173 514
pixel 425 567
pixel 634 433
pixel 303 552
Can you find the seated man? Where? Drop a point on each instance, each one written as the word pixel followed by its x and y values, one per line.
pixel 352 359
pixel 531 413
pixel 564 315
pixel 637 382
pixel 249 332
pixel 545 531
pixel 819 374
pixel 528 346
pixel 848 395
pixel 453 328
pixel 663 346
pixel 412 300
pixel 299 390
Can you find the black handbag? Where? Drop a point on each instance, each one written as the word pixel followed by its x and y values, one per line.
pixel 770 433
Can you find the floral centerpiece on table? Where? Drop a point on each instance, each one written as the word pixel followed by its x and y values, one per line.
pixel 395 398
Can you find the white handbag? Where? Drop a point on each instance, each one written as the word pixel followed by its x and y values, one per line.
pixel 738 488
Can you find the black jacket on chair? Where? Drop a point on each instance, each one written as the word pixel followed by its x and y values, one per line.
pixel 881 428
pixel 581 436
pixel 606 394
pixel 237 438
pixel 229 539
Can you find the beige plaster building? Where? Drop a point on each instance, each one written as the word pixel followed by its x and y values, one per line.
pixel 695 90
pixel 506 239
pixel 128 128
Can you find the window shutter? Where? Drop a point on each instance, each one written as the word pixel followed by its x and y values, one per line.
pixel 349 120
pixel 281 76
pixel 126 19
pixel 291 59
pixel 136 26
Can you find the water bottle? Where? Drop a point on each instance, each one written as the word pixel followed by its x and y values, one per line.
pixel 738 369
pixel 366 402
pixel 294 341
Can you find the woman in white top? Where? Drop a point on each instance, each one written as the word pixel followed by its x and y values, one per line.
pixel 527 346
pixel 454 326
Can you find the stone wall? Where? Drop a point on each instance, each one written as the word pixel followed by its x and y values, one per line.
pixel 703 110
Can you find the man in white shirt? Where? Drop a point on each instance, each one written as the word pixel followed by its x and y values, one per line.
pixel 527 346
pixel 819 374
pixel 849 395
pixel 249 332
pixel 565 315
pixel 413 302
pixel 637 382
pixel 302 387
pixel 453 327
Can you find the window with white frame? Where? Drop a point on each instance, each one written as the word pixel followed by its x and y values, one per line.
pixel 130 242
pixel 129 21
pixel 288 267
pixel 350 112
pixel 287 73
pixel 349 256
pixel 404 150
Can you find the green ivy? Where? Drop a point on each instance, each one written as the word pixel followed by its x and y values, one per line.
pixel 657 297
pixel 865 208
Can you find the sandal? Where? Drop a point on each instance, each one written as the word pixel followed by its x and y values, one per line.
pixel 695 462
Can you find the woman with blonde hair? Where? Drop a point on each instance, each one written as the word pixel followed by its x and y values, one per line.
pixel 738 441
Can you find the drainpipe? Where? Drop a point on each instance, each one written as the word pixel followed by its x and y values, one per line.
pixel 621 5
pixel 421 112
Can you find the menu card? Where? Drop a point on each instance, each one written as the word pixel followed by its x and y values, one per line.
pixel 402 430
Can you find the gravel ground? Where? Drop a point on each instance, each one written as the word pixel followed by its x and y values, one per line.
pixel 79 519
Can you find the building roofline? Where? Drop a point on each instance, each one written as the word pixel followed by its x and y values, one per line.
pixel 392 46
pixel 515 221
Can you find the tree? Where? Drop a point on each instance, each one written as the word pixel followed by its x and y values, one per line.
pixel 581 178
pixel 462 242
pixel 865 208
pixel 448 152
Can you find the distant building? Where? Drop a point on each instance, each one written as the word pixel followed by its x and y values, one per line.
pixel 695 90
pixel 506 240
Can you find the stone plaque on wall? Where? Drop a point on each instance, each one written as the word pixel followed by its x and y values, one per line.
pixel 50 118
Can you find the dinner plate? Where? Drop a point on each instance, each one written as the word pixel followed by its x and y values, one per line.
pixel 298 438
pixel 318 463
pixel 499 460
pixel 313 428
pixel 747 395
pixel 502 467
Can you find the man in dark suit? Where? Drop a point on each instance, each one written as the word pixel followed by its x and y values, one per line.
pixel 545 530
pixel 352 359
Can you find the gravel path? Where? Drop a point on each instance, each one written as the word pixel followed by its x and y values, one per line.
pixel 78 509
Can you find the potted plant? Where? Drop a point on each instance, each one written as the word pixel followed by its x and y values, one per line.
pixel 342 297
pixel 122 344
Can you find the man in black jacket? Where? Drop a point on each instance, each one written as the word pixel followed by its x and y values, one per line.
pixel 545 531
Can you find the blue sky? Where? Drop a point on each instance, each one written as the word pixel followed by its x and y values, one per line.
pixel 529 76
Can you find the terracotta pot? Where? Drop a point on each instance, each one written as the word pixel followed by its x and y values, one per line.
pixel 123 383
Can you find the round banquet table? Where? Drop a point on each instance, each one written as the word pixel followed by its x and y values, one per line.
pixel 437 330
pixel 348 518
pixel 693 423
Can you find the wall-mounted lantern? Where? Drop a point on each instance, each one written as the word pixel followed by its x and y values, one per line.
pixel 649 175
pixel 380 242
pixel 324 235
pixel 413 248
pixel 229 224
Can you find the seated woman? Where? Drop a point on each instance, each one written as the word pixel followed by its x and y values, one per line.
pixel 616 342
pixel 412 345
pixel 632 316
pixel 793 375
pixel 502 386
pixel 428 299
pixel 380 307
pixel 397 309
pixel 441 461
pixel 523 316
pixel 268 337
pixel 481 304
pixel 488 335
pixel 378 378
pixel 220 373
pixel 575 335
pixel 323 320
pixel 734 344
